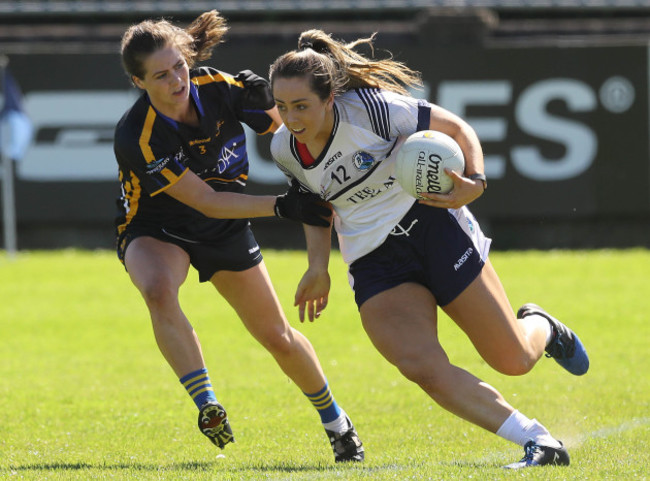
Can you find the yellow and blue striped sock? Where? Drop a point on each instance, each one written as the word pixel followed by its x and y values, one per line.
pixel 199 387
pixel 325 404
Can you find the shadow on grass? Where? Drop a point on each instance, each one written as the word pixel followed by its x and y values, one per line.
pixel 187 466
pixel 191 466
pixel 202 466
pixel 473 464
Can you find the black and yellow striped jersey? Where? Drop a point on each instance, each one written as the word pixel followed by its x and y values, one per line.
pixel 153 152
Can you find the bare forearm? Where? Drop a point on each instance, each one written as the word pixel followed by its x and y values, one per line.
pixel 452 125
pixel 319 245
pixel 471 147
pixel 293 205
pixel 230 205
pixel 194 192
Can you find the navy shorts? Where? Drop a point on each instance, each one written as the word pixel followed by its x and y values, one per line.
pixel 444 250
pixel 238 252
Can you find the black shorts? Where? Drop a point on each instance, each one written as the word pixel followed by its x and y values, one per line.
pixel 433 247
pixel 238 252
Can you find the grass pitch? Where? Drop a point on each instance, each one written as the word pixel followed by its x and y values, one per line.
pixel 85 394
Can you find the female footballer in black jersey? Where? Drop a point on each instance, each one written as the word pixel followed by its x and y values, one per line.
pixel 181 152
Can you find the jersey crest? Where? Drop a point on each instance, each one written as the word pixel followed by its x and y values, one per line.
pixel 363 160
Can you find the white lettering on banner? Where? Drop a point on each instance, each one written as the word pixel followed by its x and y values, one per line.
pixel 578 139
pixel 82 125
pixel 531 116
pixel 456 96
pixel 74 130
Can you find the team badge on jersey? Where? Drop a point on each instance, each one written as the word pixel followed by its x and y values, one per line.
pixel 158 165
pixel 363 160
pixel 218 127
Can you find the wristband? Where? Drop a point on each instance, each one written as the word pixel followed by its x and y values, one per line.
pixel 480 177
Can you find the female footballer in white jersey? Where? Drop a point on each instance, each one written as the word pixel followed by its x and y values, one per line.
pixel 344 117
pixel 182 159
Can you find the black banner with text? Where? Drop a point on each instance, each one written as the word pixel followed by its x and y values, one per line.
pixel 564 130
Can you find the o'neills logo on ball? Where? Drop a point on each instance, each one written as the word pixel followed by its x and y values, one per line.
pixel 419 174
pixel 427 173
pixel 433 174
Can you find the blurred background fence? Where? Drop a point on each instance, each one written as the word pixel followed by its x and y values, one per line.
pixel 556 89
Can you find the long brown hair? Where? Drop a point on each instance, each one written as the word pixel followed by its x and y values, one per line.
pixel 334 67
pixel 195 42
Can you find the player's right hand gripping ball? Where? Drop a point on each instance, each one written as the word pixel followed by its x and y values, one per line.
pixel 305 207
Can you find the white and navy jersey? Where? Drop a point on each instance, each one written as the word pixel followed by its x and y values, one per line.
pixel 355 171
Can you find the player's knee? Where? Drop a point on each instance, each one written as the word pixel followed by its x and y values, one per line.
pixel 158 295
pixel 438 383
pixel 277 341
pixel 514 365
pixel 421 373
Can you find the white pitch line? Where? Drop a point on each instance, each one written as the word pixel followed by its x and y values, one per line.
pixel 608 431
pixel 574 442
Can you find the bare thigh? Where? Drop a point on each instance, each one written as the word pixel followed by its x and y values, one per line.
pixel 484 313
pixel 402 324
pixel 156 268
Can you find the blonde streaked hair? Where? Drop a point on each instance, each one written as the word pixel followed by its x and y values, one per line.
pixel 334 67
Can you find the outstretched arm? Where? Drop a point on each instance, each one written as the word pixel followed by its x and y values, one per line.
pixel 194 192
pixel 313 289
pixel 303 207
